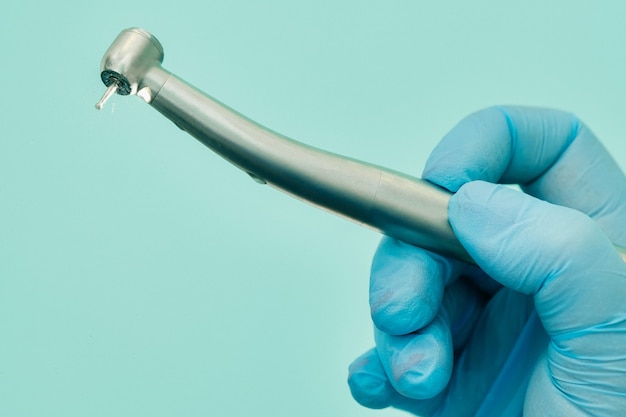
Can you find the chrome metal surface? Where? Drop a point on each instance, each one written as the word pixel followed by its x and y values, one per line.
pixel 400 206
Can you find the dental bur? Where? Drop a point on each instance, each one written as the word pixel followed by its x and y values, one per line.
pixel 395 204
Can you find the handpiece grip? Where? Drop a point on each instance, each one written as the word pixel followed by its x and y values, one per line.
pixel 400 206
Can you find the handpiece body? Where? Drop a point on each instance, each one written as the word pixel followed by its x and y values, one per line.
pixel 392 203
pixel 403 207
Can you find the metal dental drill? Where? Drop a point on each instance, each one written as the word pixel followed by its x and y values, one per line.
pixel 400 206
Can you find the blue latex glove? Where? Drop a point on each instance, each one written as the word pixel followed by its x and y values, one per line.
pixel 540 328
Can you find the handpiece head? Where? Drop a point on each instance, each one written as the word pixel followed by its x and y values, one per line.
pixel 127 61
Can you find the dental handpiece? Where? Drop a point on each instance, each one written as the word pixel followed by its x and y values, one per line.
pixel 397 205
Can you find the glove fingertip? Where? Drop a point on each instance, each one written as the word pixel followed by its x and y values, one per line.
pixel 368 382
pixel 406 287
pixel 472 218
pixel 419 366
pixel 468 151
pixel 445 177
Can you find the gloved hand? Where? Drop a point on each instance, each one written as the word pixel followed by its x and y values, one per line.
pixel 539 327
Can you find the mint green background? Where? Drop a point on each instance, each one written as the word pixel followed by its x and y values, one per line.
pixel 141 275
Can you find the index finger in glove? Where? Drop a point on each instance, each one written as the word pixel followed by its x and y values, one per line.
pixel 550 153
